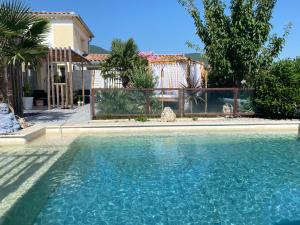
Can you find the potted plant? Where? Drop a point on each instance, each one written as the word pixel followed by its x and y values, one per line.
pixel 27 99
pixel 79 102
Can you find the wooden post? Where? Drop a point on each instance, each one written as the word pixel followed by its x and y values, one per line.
pixel 82 82
pixel 162 85
pixel 49 85
pixel 71 77
pixel 66 78
pixel 55 54
pixel 235 107
pixel 62 95
pixel 92 95
pixel 93 103
pixel 57 94
pixel 52 77
pixel 206 85
pixel 181 101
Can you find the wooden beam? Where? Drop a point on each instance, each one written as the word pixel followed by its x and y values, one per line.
pixel 57 94
pixel 52 78
pixel 55 50
pixel 82 82
pixel 62 95
pixel 49 85
pixel 71 77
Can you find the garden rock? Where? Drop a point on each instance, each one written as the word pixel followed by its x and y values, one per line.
pixel 168 115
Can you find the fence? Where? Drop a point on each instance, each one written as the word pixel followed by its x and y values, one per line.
pixel 128 103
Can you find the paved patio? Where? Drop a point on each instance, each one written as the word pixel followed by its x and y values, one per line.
pixel 79 115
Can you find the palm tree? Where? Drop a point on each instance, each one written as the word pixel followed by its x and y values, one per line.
pixel 123 59
pixel 21 40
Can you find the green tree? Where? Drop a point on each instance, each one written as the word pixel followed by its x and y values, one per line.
pixel 21 39
pixel 123 59
pixel 238 44
pixel 277 92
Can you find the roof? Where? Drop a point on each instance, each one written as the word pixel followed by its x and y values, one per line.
pixel 167 58
pixel 97 57
pixel 68 14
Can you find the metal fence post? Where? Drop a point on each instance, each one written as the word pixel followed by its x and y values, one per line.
pixel 93 103
pixel 235 106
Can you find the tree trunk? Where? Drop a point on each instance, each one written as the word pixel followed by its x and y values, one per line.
pixel 3 82
pixel 15 74
pixel 125 81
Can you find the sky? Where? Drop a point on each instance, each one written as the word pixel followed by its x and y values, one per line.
pixel 161 26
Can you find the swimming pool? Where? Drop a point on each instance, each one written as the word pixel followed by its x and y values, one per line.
pixel 168 179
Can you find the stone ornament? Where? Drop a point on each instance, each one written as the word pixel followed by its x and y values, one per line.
pixel 227 110
pixel 8 122
pixel 168 115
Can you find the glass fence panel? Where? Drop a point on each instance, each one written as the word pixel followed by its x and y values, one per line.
pixel 119 102
pixel 245 104
pixel 124 103
pixel 207 101
pixel 167 98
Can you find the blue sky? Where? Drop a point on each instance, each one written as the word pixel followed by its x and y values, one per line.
pixel 162 26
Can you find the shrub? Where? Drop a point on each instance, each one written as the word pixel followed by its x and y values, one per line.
pixel 277 92
pixel 120 101
pixel 141 77
pixel 142 119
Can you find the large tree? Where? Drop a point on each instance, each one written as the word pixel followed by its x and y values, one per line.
pixel 123 59
pixel 21 39
pixel 237 39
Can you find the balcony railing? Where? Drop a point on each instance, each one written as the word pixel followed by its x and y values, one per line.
pixel 128 103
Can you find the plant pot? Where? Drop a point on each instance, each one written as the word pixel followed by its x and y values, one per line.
pixel 27 103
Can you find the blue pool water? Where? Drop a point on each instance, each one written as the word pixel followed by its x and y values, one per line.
pixel 177 179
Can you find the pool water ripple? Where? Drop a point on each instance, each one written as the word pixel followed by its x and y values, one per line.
pixel 178 179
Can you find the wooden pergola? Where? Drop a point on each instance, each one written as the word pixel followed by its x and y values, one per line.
pixel 61 94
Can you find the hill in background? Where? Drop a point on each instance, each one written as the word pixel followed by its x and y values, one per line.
pixel 98 50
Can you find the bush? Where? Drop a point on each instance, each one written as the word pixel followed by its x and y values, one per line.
pixel 277 92
pixel 118 102
pixel 141 77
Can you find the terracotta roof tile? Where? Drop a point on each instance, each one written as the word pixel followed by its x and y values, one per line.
pixel 156 59
pixel 53 13
pixel 168 58
pixel 97 57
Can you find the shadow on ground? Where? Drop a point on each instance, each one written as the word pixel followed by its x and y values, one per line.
pixel 16 168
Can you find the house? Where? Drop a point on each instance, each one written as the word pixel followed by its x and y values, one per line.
pixel 61 74
pixel 170 70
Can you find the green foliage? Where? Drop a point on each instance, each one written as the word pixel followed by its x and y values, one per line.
pixel 120 101
pixel 193 95
pixel 277 92
pixel 21 36
pixel 195 118
pixel 24 33
pixel 27 90
pixel 238 45
pixel 142 119
pixel 122 60
pixel 142 77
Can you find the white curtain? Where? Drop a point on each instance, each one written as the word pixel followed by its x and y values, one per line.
pixel 174 74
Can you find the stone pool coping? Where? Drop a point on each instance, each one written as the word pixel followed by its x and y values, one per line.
pixel 110 126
